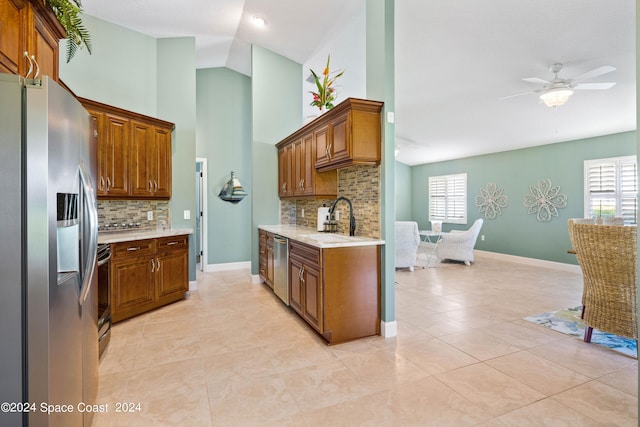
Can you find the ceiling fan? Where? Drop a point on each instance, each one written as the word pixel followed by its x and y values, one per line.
pixel 556 92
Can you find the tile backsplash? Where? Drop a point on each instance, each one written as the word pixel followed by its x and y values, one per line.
pixel 134 211
pixel 361 185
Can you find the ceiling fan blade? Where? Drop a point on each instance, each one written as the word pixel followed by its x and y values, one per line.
pixel 595 72
pixel 517 94
pixel 594 86
pixel 536 80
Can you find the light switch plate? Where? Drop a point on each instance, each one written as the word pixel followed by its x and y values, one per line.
pixel 149 215
pixel 187 214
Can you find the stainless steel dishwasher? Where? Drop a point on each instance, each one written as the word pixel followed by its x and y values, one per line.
pixel 281 268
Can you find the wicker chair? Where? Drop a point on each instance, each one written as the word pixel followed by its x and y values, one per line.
pixel 459 245
pixel 607 256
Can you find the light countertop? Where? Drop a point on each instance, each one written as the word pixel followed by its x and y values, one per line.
pixel 126 236
pixel 319 239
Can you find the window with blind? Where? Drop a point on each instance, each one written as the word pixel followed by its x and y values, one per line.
pixel 610 188
pixel 448 198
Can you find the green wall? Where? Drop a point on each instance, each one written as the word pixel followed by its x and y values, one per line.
pixel 403 192
pixel 276 113
pixel 224 139
pixel 121 71
pixel 176 95
pixel 155 77
pixel 515 232
pixel 381 86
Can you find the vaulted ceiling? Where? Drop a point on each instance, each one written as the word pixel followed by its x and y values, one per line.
pixel 454 60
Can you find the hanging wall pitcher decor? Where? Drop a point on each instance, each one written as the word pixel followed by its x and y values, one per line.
pixel 232 190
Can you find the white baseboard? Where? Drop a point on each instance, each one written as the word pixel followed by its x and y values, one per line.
pixel 212 268
pixel 530 261
pixel 388 329
pixel 193 285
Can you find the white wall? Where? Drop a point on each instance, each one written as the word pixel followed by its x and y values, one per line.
pixel 346 44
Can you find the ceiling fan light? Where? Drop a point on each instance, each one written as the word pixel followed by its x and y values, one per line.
pixel 556 97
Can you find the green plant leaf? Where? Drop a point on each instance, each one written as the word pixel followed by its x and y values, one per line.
pixel 68 14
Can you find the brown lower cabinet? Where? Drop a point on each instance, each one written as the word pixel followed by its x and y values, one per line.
pixel 147 274
pixel 266 257
pixel 336 290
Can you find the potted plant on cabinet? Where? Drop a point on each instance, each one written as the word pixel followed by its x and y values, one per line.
pixel 68 14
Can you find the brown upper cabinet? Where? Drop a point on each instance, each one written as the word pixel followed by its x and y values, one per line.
pixel 134 153
pixel 349 134
pixel 29 26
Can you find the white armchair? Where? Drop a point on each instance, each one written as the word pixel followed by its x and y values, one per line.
pixel 459 245
pixel 407 241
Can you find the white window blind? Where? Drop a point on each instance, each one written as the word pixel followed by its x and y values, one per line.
pixel 448 198
pixel 611 188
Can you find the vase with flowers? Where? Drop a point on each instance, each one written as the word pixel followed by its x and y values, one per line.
pixel 325 83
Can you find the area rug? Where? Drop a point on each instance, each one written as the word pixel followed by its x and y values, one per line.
pixel 568 322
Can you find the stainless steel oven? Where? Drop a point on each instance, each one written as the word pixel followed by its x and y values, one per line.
pixel 104 296
pixel 281 268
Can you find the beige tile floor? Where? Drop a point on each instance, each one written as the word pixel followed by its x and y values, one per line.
pixel 232 355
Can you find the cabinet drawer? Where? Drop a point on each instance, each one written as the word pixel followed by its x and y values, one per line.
pixel 308 254
pixel 173 243
pixel 133 248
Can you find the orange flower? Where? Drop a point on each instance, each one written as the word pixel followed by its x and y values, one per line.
pixel 326 93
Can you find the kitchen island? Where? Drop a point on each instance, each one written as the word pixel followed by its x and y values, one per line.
pixel 333 279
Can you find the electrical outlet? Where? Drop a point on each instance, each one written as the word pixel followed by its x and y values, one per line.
pixel 187 214
pixel 337 215
pixel 302 212
pixel 149 215
pixel 482 237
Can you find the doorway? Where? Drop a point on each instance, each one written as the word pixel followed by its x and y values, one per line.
pixel 201 214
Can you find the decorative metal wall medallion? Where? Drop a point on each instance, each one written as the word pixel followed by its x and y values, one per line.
pixel 491 200
pixel 544 200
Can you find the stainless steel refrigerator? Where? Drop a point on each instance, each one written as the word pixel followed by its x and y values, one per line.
pixel 48 239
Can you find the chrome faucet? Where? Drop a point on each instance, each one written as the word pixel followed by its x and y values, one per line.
pixel 352 219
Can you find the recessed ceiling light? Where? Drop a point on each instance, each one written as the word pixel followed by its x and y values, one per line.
pixel 257 21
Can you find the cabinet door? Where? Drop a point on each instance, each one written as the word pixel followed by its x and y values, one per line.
pixel 172 272
pixel 161 162
pixel 44 45
pixel 321 137
pixel 307 166
pixel 285 156
pixel 312 295
pixel 270 263
pixel 295 286
pixel 132 283
pixel 340 147
pixel 139 164
pixel 96 117
pixel 13 36
pixel 297 167
pixel 116 152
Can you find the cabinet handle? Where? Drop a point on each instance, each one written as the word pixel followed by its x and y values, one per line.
pixel 158 263
pixel 153 266
pixel 329 150
pixel 172 243
pixel 302 274
pixel 95 134
pixel 35 76
pixel 155 186
pixel 134 248
pixel 108 183
pixel 303 183
pixel 150 186
pixel 101 183
pixel 26 55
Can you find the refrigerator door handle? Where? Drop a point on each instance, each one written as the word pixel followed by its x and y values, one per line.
pixel 88 199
